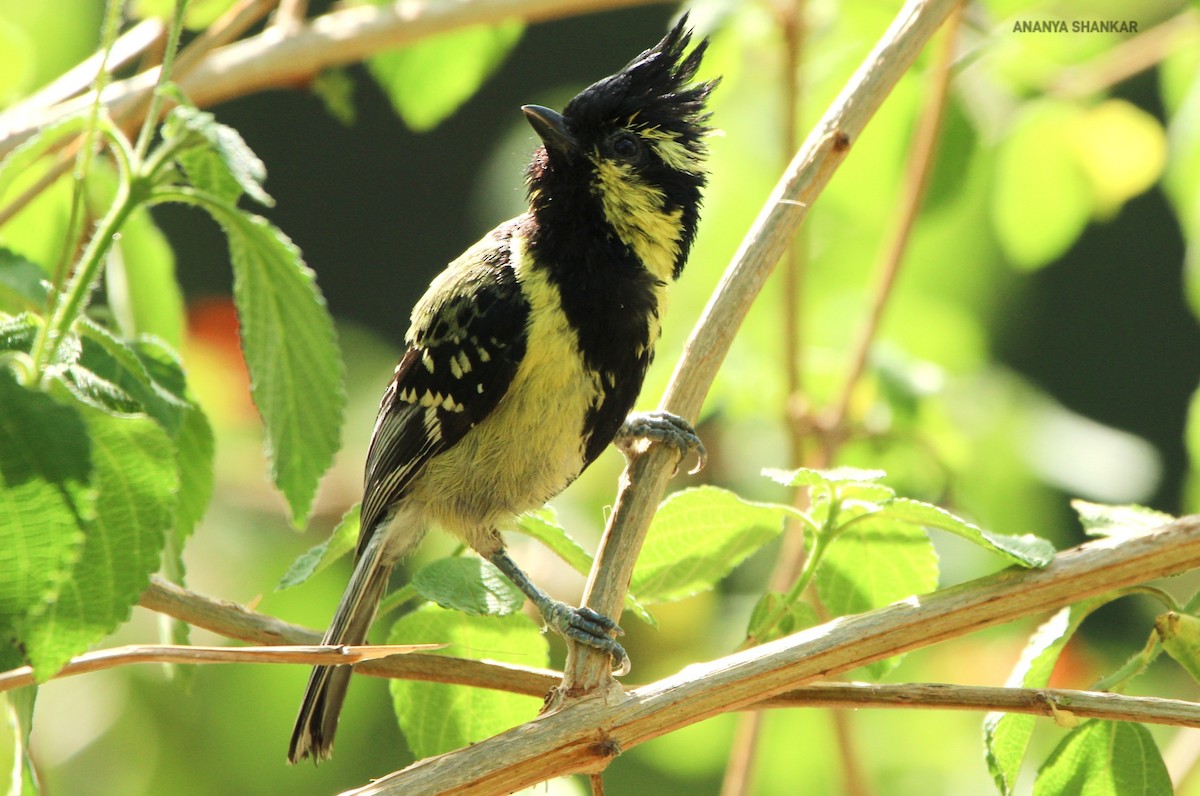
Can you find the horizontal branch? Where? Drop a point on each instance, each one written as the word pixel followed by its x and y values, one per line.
pixel 176 653
pixel 1034 701
pixel 235 621
pixel 583 735
pixel 294 55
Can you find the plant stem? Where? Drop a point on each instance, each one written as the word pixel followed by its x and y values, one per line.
pixel 150 123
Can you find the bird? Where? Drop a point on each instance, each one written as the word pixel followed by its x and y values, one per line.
pixel 525 356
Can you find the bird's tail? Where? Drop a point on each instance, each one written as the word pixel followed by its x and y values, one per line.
pixel 317 721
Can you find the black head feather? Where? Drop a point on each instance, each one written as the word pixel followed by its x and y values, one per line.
pixel 650 91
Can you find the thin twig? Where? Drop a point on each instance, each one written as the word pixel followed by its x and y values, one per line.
pixel 174 653
pixel 920 165
pixel 789 16
pixel 235 621
pixel 341 37
pixel 1132 56
pixel 580 735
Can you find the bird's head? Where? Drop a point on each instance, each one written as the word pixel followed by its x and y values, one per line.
pixel 627 155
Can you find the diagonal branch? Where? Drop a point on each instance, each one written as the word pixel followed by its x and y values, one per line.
pixel 645 479
pixel 584 734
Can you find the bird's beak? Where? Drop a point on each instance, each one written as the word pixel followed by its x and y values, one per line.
pixel 552 129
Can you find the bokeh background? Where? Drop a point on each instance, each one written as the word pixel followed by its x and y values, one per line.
pixel 1039 346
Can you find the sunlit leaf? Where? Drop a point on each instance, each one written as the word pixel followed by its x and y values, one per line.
pixel 435 717
pixel 468 584
pixel 1042 199
pixel 697 537
pixel 136 482
pixel 429 80
pixel 1105 758
pixel 320 556
pixel 1006 735
pixel 1122 150
pixel 1128 520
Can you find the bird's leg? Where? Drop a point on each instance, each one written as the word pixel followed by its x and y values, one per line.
pixel 663 427
pixel 581 624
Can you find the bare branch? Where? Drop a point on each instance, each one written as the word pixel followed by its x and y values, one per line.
pixel 1034 701
pixel 645 479
pixel 582 735
pixel 174 653
pixel 293 56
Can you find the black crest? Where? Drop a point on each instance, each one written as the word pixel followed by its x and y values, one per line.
pixel 653 90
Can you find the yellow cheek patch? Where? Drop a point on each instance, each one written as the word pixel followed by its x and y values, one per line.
pixel 635 210
pixel 674 154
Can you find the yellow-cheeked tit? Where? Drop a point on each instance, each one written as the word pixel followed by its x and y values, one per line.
pixel 526 355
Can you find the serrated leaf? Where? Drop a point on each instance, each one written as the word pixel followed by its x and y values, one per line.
pixel 436 718
pixel 542 524
pixel 837 476
pixel 1006 735
pixel 1105 758
pixel 470 585
pixel 697 537
pixel 221 162
pixel 23 284
pixel 340 542
pixel 1099 519
pixel 46 492
pixel 136 481
pixel 429 80
pixel 193 437
pixel 1027 550
pixel 874 562
pixel 18 332
pixel 296 371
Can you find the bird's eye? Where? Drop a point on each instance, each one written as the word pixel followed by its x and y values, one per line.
pixel 626 146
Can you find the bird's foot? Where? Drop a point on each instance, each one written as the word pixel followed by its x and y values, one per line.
pixel 588 627
pixel 664 428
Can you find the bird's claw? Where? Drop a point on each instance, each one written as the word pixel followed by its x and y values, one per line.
pixel 592 629
pixel 664 428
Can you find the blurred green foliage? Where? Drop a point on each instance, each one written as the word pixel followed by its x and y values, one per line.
pixel 966 400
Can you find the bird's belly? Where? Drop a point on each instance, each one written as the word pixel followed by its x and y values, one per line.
pixel 526 451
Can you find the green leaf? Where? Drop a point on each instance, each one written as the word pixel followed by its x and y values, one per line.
pixel 148 377
pixel 876 561
pixel 697 537
pixel 436 718
pixel 1105 758
pixel 23 284
pixel 1027 550
pixel 318 557
pixel 296 371
pixel 1006 735
pixel 837 476
pixel 1128 520
pixel 542 524
pixel 1042 200
pixel 136 482
pixel 798 616
pixel 470 585
pixel 429 80
pixel 220 162
pixel 47 491
pixel 335 89
pixel 1180 635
